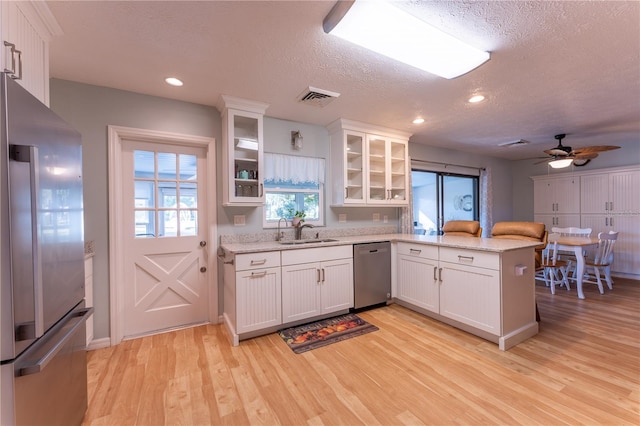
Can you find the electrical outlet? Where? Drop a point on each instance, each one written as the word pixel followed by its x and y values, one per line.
pixel 376 217
pixel 239 220
pixel 342 218
pixel 385 219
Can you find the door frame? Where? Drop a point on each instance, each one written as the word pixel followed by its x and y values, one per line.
pixel 116 135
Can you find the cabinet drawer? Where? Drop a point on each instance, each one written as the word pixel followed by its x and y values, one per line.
pixel 480 259
pixel 316 254
pixel 418 250
pixel 262 260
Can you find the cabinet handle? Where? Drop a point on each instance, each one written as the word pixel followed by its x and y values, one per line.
pixel 435 268
pixel 461 258
pixel 606 206
pixel 13 61
pixel 611 206
pixel 317 275
pixel 440 274
pixel 258 262
pixel 415 251
pixel 322 274
pixel 261 190
pixel 346 192
pixel 258 274
pixel 606 221
pixel 610 221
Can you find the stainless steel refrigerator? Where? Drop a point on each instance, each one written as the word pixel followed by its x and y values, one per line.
pixel 43 371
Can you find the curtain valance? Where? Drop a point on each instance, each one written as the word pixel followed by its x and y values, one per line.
pixel 293 168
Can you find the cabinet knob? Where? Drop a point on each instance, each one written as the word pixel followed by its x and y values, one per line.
pixel 203 269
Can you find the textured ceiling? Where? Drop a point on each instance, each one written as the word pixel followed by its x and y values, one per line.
pixel 556 67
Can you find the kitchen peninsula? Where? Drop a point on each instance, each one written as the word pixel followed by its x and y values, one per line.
pixel 480 285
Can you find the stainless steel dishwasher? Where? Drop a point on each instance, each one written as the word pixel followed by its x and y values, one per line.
pixel 371 274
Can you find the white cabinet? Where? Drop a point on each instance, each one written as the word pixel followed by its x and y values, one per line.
pixel 27 27
pixel 557 195
pixel 470 288
pixel 478 291
pixel 316 281
pixel 370 165
pixel 608 199
pixel 417 276
pixel 252 292
pixel 387 165
pixel 88 294
pixel 242 151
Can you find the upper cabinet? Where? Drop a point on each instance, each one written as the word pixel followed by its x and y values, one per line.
pixel 611 193
pixel 242 151
pixel 370 165
pixel 556 195
pixel 27 28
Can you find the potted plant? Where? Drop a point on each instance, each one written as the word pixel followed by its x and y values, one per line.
pixel 297 218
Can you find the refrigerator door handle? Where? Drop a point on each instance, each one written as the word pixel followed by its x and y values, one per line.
pixel 78 317
pixel 29 154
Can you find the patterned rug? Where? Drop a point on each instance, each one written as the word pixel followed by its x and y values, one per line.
pixel 314 335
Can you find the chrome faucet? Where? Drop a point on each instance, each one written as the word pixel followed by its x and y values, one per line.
pixel 279 235
pixel 299 229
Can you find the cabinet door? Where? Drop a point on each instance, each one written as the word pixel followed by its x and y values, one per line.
pixel 245 154
pixel 624 192
pixel 336 282
pixel 397 176
pixel 566 194
pixel 301 291
pixel 418 282
pixel 543 200
pixel 354 171
pixel 258 299
pixel 626 251
pixel 377 170
pixel 22 26
pixel 594 194
pixel 471 296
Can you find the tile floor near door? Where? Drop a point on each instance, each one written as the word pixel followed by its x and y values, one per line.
pixel 582 368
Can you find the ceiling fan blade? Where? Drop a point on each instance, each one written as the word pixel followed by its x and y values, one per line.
pixel 591 149
pixel 585 155
pixel 556 151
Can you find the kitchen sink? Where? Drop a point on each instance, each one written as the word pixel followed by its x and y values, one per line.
pixel 299 242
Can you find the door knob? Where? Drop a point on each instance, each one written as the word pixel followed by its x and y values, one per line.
pixel 203 243
pixel 203 269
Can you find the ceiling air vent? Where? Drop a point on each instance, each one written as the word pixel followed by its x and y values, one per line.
pixel 514 143
pixel 317 97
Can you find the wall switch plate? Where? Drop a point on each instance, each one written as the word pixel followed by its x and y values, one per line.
pixel 342 218
pixel 376 217
pixel 239 220
pixel 385 218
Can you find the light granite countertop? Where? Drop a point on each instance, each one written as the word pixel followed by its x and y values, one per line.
pixel 470 243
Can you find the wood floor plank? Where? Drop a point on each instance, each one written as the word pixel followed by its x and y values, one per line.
pixel 582 368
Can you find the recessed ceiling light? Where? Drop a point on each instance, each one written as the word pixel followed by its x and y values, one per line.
pixel 418 120
pixel 173 81
pixel 476 98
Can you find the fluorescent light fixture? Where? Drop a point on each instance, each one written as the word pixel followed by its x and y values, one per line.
pixel 561 163
pixel 173 81
pixel 379 26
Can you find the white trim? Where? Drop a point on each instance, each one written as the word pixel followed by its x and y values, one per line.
pixel 578 173
pixel 116 134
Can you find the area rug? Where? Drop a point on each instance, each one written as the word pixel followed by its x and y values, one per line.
pixel 314 335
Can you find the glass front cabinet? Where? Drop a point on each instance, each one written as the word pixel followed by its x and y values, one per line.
pixel 242 151
pixel 370 165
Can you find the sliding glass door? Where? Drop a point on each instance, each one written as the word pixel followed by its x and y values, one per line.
pixel 439 197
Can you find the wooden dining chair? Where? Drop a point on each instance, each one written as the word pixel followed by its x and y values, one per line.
pixel 599 260
pixel 552 270
pixel 464 228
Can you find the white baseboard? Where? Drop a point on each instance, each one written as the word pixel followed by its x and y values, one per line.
pixel 105 342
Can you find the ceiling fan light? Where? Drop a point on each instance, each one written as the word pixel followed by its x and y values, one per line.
pixel 561 163
pixel 385 29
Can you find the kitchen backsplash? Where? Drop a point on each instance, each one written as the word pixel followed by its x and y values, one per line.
pixel 270 235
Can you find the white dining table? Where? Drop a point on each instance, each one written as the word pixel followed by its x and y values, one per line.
pixel 578 245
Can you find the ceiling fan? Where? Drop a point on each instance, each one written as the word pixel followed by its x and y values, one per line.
pixel 579 156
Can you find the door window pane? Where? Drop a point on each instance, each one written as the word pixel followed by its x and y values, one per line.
pixel 188 167
pixel 144 164
pixel 167 166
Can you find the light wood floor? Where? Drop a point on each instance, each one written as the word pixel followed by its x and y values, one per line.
pixel 582 368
